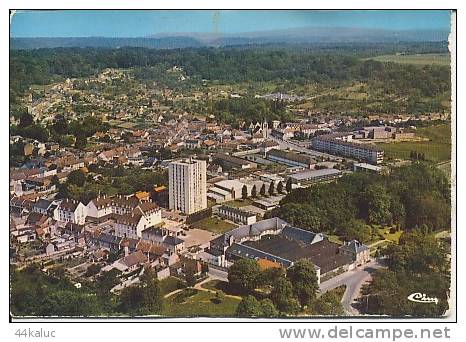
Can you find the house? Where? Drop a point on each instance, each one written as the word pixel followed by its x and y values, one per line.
pixel 236 215
pixel 192 144
pixel 28 148
pixel 99 255
pixel 71 211
pixel 230 162
pixel 75 230
pixel 163 237
pixel 108 241
pixel 145 215
pixel 268 145
pixel 131 262
pixel 50 249
pixel 43 206
pixel 359 252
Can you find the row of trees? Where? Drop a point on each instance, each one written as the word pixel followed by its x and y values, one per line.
pixel 410 196
pixel 280 292
pixel 263 192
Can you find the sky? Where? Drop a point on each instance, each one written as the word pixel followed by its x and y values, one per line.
pixel 143 23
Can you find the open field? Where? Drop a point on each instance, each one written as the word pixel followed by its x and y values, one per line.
pixel 191 302
pixel 436 149
pixel 445 167
pixel 422 59
pixel 394 237
pixel 171 284
pixel 213 224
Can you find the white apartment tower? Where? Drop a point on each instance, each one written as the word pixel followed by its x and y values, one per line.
pixel 187 185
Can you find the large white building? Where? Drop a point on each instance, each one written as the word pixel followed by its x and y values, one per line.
pixel 70 211
pixel 187 185
pixel 341 144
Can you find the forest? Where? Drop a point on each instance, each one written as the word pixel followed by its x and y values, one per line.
pixel 230 65
pixel 410 197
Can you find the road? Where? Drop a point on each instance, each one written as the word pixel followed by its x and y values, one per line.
pixel 216 273
pixel 353 281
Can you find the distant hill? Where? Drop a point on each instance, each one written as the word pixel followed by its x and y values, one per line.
pixel 104 42
pixel 309 35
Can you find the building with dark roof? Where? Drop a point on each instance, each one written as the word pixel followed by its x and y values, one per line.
pixel 230 162
pixel 291 158
pixel 314 176
pixel 42 206
pixel 277 241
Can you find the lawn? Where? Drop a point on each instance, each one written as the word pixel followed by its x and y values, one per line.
pixel 214 225
pixel 394 237
pixel 436 149
pixel 335 239
pixel 195 303
pixel 171 284
pixel 239 203
pixel 418 59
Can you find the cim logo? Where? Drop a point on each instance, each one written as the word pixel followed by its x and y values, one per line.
pixel 422 298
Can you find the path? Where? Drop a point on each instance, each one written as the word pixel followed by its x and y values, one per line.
pixel 353 280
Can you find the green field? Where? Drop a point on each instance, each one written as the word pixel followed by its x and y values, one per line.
pixel 436 149
pixel 171 284
pixel 239 203
pixel 195 303
pixel 385 232
pixel 213 224
pixel 422 59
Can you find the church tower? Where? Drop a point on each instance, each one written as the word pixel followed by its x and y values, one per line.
pixel 265 129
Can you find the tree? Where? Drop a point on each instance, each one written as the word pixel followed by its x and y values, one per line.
pixel 244 192
pixel 329 304
pixel 190 277
pixel 280 187
pixel 262 191
pixel 254 191
pixel 378 205
pixel 92 270
pixel 68 303
pixel 303 278
pixel 267 308
pixel 244 275
pixel 132 300
pixel 55 180
pixel 270 275
pixel 36 132
pixel 272 188
pixel 25 120
pixel 60 125
pixel 288 185
pixel 282 296
pixel 357 230
pixel 204 268
pixel 81 142
pixel 152 294
pixel 249 307
pixel 76 177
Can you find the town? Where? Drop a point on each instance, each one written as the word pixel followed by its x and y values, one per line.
pixel 118 180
